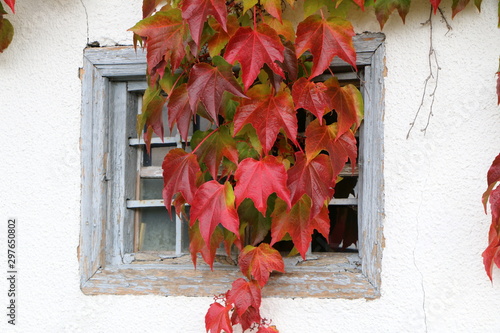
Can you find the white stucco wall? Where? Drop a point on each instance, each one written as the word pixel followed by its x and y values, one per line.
pixel 435 230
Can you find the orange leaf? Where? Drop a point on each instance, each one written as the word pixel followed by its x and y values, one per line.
pixel 260 261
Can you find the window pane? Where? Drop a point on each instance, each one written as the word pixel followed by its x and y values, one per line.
pixel 151 189
pixel 157 230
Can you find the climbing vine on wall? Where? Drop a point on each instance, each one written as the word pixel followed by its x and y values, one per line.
pixel 247 69
pixel 252 179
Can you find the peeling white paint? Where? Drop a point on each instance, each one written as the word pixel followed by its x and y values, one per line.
pixel 435 229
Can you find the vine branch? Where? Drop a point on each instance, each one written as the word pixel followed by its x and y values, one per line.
pixel 432 57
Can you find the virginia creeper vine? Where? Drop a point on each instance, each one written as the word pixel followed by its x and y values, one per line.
pixel 248 70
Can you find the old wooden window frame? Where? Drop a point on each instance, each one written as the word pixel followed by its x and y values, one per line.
pixel 106 263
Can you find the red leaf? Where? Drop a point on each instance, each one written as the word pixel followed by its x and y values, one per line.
pixel 217 318
pixel 213 204
pixel 244 294
pixel 458 5
pixel 348 104
pixel 198 245
pixel 260 261
pixel 11 4
pixel 323 137
pixel 149 6
pixel 180 170
pixel 298 223
pixel 164 40
pixel 267 329
pixel 384 8
pixel 312 177
pixel 267 113
pixel 215 146
pixel 195 12
pixel 257 180
pixel 207 84
pixel 435 5
pixel 310 96
pixel 179 111
pixel 254 48
pixel 492 178
pixel 326 38
pixel 250 317
pixel 491 255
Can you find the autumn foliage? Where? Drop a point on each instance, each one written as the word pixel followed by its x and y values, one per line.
pixel 252 176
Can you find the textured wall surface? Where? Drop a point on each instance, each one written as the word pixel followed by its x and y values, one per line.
pixel 435 229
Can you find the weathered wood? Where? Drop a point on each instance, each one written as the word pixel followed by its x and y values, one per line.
pixel 371 203
pixel 94 157
pixel 317 279
pixel 121 175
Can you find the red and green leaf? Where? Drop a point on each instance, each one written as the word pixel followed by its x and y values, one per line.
pixel 180 171
pixel 257 180
pixel 267 113
pixel 491 256
pixel 324 137
pixel 221 37
pixel 151 115
pixel 213 204
pixel 254 48
pixel 348 104
pixel 384 8
pixel 163 34
pixel 213 146
pixel 198 245
pixel 217 318
pixel 259 224
pixel 493 177
pixel 325 38
pixel 299 223
pixel 259 262
pixel 207 85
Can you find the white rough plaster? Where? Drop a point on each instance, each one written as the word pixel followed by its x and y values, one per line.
pixel 435 229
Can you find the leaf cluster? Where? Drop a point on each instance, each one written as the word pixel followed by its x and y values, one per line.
pixel 251 178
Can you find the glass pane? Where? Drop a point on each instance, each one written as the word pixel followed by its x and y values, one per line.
pixel 151 189
pixel 158 154
pixel 157 230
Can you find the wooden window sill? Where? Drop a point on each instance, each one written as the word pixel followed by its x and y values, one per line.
pixel 330 276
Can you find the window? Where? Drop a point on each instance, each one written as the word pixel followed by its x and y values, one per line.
pixel 119 195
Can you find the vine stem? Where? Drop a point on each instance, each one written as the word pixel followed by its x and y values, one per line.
pixel 205 139
pixel 431 57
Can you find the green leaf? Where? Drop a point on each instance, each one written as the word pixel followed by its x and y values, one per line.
pixel 6 33
pixel 384 8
